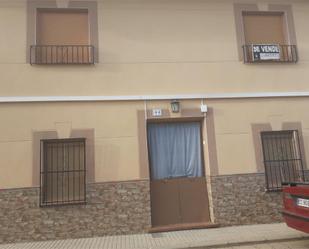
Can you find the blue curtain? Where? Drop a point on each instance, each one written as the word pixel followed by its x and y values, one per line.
pixel 175 150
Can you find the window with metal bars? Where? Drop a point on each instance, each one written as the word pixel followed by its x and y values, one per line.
pixel 63 172
pixel 282 158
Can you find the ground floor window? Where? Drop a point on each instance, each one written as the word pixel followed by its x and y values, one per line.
pixel 63 172
pixel 282 158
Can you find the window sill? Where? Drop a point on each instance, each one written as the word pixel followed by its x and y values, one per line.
pixel 61 204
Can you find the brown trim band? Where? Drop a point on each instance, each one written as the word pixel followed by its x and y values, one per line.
pixel 256 131
pixel 239 24
pixel 289 18
pixel 37 136
pixel 90 151
pixel 175 119
pixel 142 144
pixel 297 126
pixel 211 141
pixel 257 143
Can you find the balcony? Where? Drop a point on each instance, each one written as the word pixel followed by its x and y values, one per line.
pixel 267 53
pixel 61 55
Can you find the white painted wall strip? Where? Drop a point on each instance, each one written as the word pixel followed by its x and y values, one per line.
pixel 25 99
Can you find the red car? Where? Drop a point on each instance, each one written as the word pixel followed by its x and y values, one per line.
pixel 296 205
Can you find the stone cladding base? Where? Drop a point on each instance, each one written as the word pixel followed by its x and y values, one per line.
pixel 242 199
pixel 111 209
pixel 124 208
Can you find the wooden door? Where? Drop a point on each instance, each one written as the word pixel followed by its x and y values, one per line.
pixel 179 200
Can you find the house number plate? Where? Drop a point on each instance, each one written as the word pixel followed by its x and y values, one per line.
pixel 303 202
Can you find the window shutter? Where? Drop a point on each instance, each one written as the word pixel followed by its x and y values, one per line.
pixel 264 28
pixel 62 27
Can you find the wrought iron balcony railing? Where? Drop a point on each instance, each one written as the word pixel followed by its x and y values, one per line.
pixel 270 53
pixel 61 54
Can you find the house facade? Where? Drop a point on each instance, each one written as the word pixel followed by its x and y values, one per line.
pixel 123 117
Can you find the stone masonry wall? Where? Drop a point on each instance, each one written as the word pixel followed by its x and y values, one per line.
pixel 111 209
pixel 242 199
pixel 124 208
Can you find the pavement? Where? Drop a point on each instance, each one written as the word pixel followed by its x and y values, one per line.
pixel 274 236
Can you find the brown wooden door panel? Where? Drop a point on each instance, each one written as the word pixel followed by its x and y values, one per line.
pixel 193 194
pixel 179 201
pixel 164 202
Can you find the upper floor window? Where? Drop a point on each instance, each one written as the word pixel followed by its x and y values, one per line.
pixel 265 36
pixel 63 35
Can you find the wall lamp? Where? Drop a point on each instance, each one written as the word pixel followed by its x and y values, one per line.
pixel 175 106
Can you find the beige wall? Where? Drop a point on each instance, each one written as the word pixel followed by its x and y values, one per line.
pixel 117 145
pixel 116 142
pixel 12 31
pixel 233 120
pixel 147 47
pixel 116 136
pixel 153 47
pixel 233 124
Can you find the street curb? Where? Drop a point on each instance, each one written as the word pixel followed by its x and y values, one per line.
pixel 246 243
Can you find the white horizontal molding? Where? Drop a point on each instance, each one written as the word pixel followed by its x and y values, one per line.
pixel 25 99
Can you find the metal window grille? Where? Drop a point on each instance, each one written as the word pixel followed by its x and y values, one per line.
pixel 282 158
pixel 63 172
